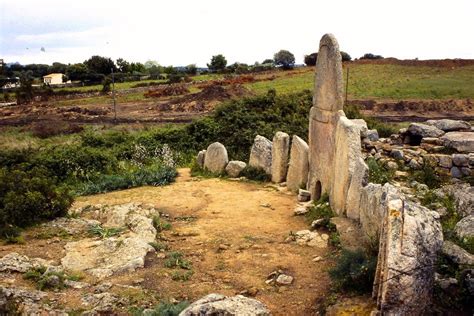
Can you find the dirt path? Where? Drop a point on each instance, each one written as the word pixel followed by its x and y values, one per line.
pixel 233 239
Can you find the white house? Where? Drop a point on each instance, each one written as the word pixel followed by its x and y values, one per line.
pixel 52 79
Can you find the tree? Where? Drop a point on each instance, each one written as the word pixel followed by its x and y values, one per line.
pixel 310 60
pixel 371 56
pixel 345 56
pixel 123 65
pixel 285 59
pixel 267 61
pixel 191 69
pixel 218 63
pixel 58 68
pixel 24 93
pixel 100 65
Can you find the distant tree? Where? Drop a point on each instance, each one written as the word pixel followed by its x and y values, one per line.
pixel 58 68
pixel 310 60
pixel 77 72
pixel 268 61
pixel 169 70
pixel 137 68
pixel 24 93
pixel 100 65
pixel 218 63
pixel 191 69
pixel 371 56
pixel 37 70
pixel 123 65
pixel 106 82
pixel 345 56
pixel 284 59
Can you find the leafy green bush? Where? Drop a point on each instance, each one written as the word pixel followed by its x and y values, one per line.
pixel 354 271
pixel 30 196
pixel 384 129
pixel 378 173
pixel 256 174
pixel 48 280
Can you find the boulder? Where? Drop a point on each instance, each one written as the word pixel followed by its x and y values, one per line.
pixel 14 262
pixel 457 254
pixel 280 151
pixel 461 160
pixel 216 304
pixel 424 130
pixel 463 195
pixel 216 158
pixel 465 227
pixel 450 125
pixel 298 168
pixel 456 172
pixel 261 154
pixel 303 195
pixel 373 135
pixel 200 158
pixel 463 142
pixel 234 168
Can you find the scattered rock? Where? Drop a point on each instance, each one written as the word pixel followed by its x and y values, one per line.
pixel 284 279
pixel 448 125
pixel 309 238
pixel 234 168
pixel 373 135
pixel 280 151
pixel 216 158
pixel 261 154
pixel 216 304
pixel 457 254
pixel 300 210
pixel 397 154
pixel 304 195
pixel 103 302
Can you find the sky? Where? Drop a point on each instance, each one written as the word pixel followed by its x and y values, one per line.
pixel 183 32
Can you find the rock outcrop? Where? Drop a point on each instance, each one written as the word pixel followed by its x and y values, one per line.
pixel 461 141
pixel 216 304
pixel 215 158
pixel 14 262
pixel 447 125
pixel 280 151
pixel 298 167
pixel 465 227
pixel 261 154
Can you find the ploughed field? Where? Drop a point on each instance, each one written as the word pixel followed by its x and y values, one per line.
pixel 388 90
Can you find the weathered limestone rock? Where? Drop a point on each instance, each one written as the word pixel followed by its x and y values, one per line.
pixel 463 195
pixel 410 240
pixel 348 168
pixel 359 179
pixel 103 303
pixel 261 154
pixel 465 227
pixel 280 151
pixel 310 238
pixel 373 135
pixel 121 253
pixel 234 168
pixel 14 262
pixel 450 125
pixel 423 130
pixel 326 110
pixel 303 195
pixel 200 158
pixel 457 254
pixel 298 168
pixel 216 304
pixel 461 141
pixel 216 158
pixel 362 125
pixel 22 301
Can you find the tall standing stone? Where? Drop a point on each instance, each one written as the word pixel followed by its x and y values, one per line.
pixel 324 115
pixel 280 151
pixel 216 159
pixel 298 167
pixel 261 154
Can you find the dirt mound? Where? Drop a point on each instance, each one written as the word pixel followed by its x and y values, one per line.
pixel 167 91
pixel 417 110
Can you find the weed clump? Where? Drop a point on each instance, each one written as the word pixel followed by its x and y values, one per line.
pixel 255 174
pixel 104 232
pixel 50 280
pixel 175 260
pixel 378 173
pixel 160 225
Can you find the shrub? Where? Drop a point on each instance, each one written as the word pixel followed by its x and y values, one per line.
pixel 168 309
pixel 46 130
pixel 320 210
pixel 378 173
pixel 160 225
pixel 256 174
pixel 384 129
pixel 179 276
pixel 354 271
pixel 29 196
pixel 428 176
pixel 175 260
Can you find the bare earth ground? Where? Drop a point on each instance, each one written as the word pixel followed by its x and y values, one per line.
pixel 233 233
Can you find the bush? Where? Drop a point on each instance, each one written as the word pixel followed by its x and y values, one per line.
pixel 168 309
pixel 354 271
pixel 175 260
pixel 383 129
pixel 428 176
pixel 30 196
pixel 378 173
pixel 256 174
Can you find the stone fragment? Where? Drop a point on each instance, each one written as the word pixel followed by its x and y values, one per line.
pixel 463 142
pixel 310 238
pixel 298 168
pixel 261 154
pixel 397 154
pixel 280 152
pixel 460 160
pixel 304 195
pixel 200 158
pixel 448 125
pixel 216 304
pixel 234 168
pixel 284 279
pixel 457 254
pixel 423 130
pixel 373 135
pixel 216 158
pixel 465 227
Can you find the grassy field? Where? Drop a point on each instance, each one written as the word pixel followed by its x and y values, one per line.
pixel 387 82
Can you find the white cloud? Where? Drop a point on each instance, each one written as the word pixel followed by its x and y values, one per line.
pixel 181 32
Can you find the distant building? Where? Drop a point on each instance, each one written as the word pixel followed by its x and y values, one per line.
pixel 52 79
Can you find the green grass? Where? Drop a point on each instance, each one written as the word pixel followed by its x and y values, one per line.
pixel 387 82
pixel 98 87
